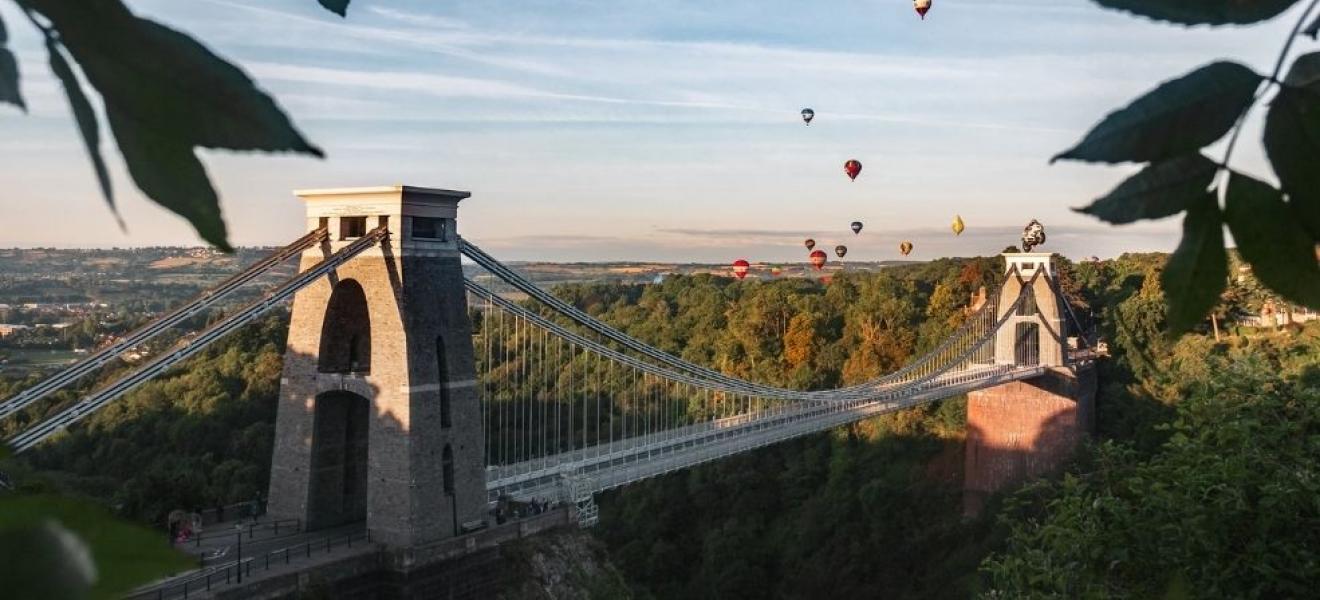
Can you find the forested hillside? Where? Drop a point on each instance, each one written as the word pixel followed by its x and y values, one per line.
pixel 196 438
pixel 1195 435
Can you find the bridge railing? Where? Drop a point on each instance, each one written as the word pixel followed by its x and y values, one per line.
pixel 235 571
pixel 288 526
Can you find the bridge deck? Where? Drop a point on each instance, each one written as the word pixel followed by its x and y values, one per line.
pixel 633 459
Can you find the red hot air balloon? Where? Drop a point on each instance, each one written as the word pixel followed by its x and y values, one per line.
pixel 809 243
pixel 740 268
pixel 853 168
pixel 818 259
pixel 922 6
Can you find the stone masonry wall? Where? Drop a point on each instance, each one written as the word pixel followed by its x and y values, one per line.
pixel 1024 429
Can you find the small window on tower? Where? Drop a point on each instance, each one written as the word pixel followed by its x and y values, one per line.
pixel 352 227
pixel 428 228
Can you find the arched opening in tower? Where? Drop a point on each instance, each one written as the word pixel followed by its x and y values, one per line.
pixel 1026 350
pixel 338 490
pixel 346 331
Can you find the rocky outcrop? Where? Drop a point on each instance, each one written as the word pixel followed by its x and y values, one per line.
pixel 565 564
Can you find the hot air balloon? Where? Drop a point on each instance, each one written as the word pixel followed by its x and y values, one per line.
pixel 808 115
pixel 818 259
pixel 853 168
pixel 905 248
pixel 958 226
pixel 856 227
pixel 922 6
pixel 1033 235
pixel 740 267
pixel 810 244
pixel 841 251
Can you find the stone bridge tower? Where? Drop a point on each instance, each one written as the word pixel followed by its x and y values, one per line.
pixel 1024 429
pixel 379 418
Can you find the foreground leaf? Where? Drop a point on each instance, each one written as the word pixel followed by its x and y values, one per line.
pixel 1268 236
pixel 45 561
pixel 339 7
pixel 172 92
pixel 1203 12
pixel 1197 271
pixel 1160 190
pixel 1178 117
pixel 126 556
pixel 1292 140
pixel 9 91
pixel 169 173
pixel 83 115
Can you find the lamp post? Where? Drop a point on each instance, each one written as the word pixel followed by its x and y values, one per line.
pixel 239 530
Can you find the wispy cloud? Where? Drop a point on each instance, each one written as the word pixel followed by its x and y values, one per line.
pixel 414 19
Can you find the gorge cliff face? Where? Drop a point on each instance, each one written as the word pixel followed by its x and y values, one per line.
pixel 566 564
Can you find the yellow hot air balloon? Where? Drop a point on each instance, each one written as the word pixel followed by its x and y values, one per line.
pixel 958 226
pixel 905 248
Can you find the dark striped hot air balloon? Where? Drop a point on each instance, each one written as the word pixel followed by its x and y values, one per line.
pixel 841 251
pixel 808 115
pixel 856 227
pixel 810 244
pixel 905 248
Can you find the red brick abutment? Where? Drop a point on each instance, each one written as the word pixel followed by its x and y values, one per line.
pixel 1025 429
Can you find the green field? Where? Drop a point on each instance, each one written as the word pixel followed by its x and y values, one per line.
pixel 35 359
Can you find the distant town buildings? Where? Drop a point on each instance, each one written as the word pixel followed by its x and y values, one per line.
pixel 6 328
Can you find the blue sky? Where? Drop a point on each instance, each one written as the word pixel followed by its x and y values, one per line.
pixel 656 130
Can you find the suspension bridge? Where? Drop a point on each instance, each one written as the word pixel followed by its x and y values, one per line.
pixel 425 381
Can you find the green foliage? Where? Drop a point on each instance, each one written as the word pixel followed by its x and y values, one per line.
pixel 1177 118
pixel 1162 189
pixel 873 506
pixel 1183 116
pixel 339 7
pixel 1198 12
pixel 83 115
pixel 165 95
pixel 876 505
pixel 1227 504
pixel 194 438
pixel 9 91
pixel 1292 139
pixel 43 540
pixel 1199 263
pixel 1282 254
